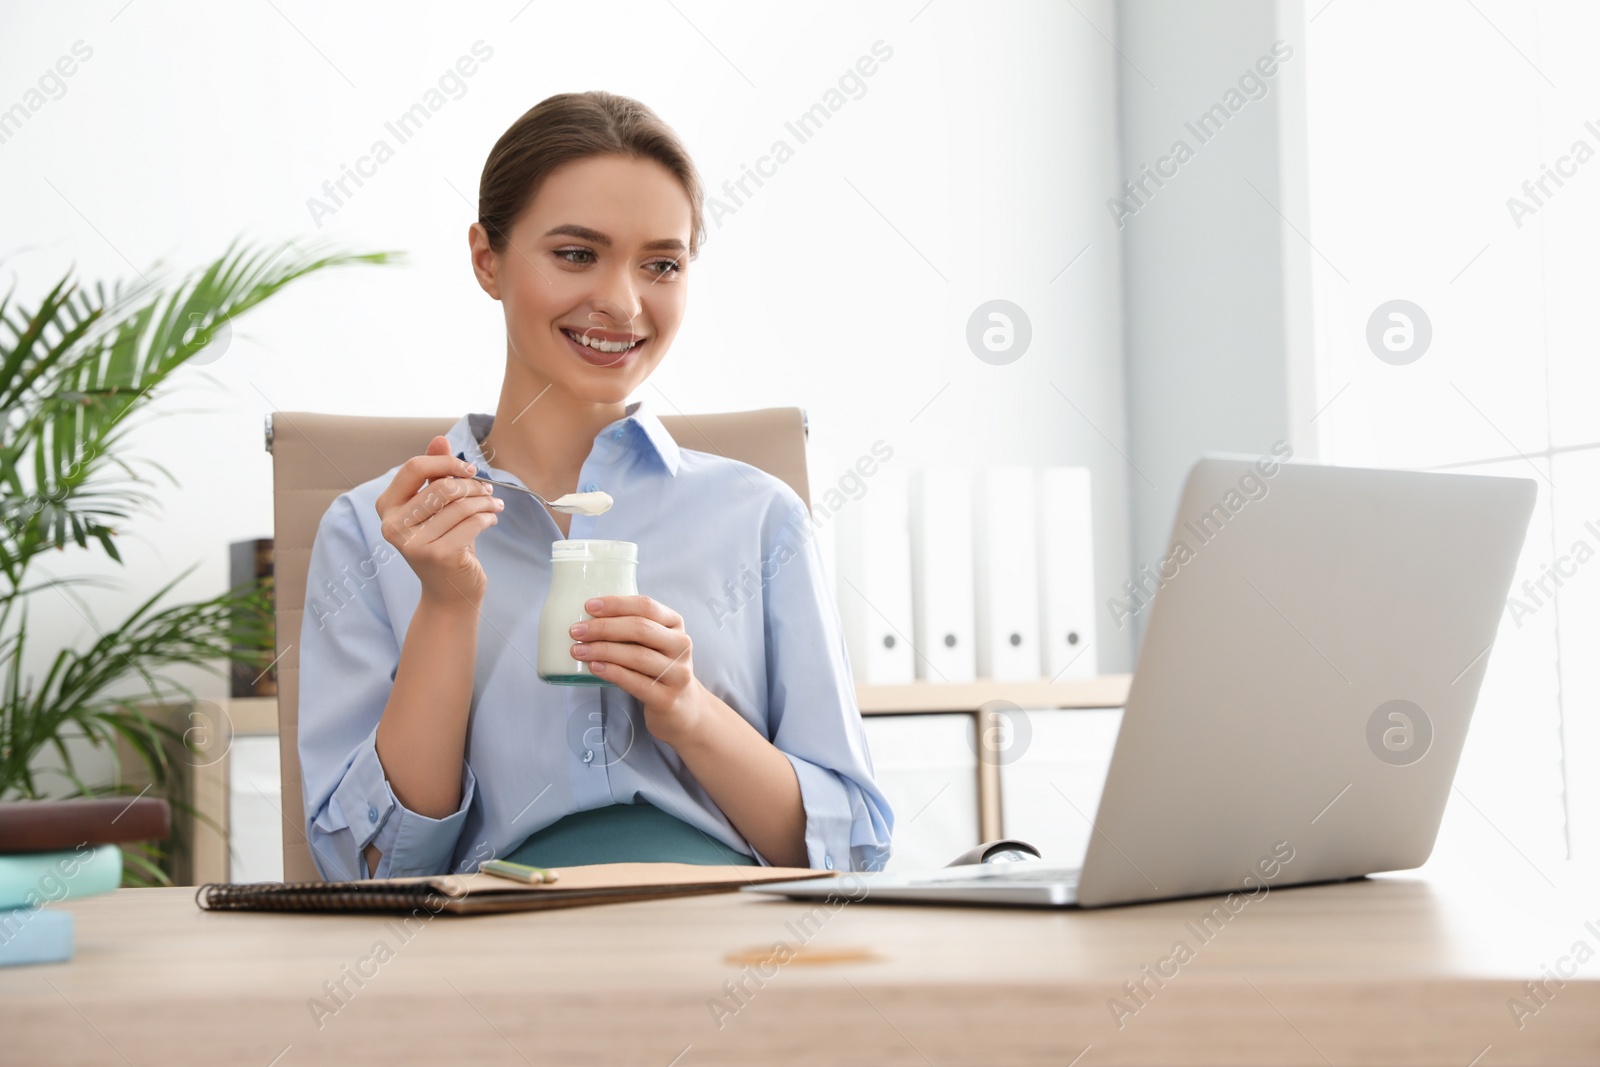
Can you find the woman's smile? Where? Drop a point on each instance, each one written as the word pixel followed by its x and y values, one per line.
pixel 596 353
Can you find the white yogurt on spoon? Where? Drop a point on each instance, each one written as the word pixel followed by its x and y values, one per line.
pixel 583 503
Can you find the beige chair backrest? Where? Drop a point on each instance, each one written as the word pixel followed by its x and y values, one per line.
pixel 317 457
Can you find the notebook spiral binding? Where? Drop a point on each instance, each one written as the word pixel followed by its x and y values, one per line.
pixel 317 896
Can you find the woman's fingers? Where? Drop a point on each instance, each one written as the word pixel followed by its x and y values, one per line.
pixel 635 628
pixel 417 471
pixel 636 605
pixel 402 521
pixel 436 496
pixel 462 535
pixel 448 517
pixel 651 663
pixel 433 511
pixel 637 633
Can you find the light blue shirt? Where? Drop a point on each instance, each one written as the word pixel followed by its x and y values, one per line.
pixel 726 545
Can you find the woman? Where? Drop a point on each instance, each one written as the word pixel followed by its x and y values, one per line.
pixel 428 743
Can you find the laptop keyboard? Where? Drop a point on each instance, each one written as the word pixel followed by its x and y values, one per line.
pixel 1008 874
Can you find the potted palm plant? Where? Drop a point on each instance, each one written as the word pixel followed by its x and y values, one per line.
pixel 76 370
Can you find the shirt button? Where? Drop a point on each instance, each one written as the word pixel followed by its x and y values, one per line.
pixel 588 755
pixel 827 861
pixel 616 435
pixel 372 813
pixel 590 488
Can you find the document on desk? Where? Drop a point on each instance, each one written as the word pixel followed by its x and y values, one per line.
pixel 479 893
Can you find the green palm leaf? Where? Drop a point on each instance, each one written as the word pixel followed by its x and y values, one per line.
pixel 75 369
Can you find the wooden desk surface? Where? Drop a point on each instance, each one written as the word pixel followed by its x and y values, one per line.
pixel 1392 970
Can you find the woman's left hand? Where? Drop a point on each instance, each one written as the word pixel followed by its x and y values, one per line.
pixel 641 645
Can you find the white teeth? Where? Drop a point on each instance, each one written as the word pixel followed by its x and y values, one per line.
pixel 603 346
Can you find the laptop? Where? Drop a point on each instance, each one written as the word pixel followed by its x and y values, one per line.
pixel 1315 638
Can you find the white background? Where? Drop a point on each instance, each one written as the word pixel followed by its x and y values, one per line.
pixel 1414 153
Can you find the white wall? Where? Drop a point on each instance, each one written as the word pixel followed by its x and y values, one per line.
pixel 1504 102
pixel 1214 273
pixel 972 167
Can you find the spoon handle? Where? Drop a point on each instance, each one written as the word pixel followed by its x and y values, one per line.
pixel 511 485
pixel 563 509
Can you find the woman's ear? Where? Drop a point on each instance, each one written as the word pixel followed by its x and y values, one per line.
pixel 485 262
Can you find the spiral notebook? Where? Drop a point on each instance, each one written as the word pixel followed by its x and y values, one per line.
pixel 480 893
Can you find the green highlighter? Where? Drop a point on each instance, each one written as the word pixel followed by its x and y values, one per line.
pixel 522 872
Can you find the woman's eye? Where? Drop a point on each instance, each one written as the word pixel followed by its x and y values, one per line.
pixel 672 266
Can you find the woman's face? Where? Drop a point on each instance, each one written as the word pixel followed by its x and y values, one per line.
pixel 599 254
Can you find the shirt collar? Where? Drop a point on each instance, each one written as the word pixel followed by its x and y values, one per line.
pixel 638 425
pixel 654 433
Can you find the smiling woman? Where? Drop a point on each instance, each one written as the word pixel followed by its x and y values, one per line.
pixel 571 288
pixel 429 743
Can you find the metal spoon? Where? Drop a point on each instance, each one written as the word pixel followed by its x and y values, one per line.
pixel 570 504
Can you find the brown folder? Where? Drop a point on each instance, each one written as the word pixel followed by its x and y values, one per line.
pixel 480 893
pixel 60 825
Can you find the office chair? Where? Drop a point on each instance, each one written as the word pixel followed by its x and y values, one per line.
pixel 317 457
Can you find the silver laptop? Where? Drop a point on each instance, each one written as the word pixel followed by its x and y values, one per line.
pixel 1311 657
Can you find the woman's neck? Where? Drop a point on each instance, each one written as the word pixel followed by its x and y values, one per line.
pixel 542 433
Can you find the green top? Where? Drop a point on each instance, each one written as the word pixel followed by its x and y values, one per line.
pixel 623 833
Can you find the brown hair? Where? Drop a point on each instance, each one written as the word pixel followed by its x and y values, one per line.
pixel 571 126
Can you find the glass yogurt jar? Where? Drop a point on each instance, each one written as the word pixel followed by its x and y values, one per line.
pixel 580 570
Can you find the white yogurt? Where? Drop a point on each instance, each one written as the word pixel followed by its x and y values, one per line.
pixel 584 503
pixel 580 570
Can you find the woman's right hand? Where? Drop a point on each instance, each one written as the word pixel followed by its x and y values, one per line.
pixel 432 513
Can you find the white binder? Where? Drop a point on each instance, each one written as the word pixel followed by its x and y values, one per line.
pixel 941 574
pixel 872 559
pixel 1066 568
pixel 1006 596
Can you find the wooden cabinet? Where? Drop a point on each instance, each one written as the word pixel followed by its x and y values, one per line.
pixel 988 702
pixel 198 845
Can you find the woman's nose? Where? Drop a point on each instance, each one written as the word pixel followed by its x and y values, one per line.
pixel 616 296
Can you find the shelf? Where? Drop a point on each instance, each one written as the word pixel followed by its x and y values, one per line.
pixel 1102 691
pixel 251 716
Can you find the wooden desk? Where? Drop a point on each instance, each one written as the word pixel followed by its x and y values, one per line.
pixel 1393 970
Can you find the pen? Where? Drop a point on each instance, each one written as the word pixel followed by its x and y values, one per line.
pixel 522 872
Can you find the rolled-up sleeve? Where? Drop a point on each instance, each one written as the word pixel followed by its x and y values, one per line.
pixel 812 706
pixel 348 656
